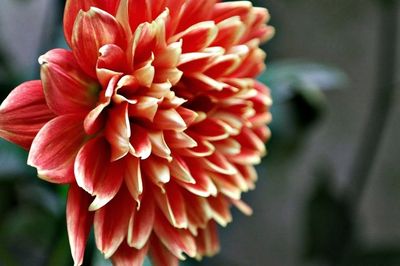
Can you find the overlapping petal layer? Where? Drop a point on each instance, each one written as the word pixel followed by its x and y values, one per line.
pixel 155 119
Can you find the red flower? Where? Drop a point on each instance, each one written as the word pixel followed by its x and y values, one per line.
pixel 154 119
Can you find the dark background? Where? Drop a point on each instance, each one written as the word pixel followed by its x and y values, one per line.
pixel 329 190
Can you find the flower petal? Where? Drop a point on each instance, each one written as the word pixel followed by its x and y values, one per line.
pixel 23 113
pixel 198 36
pixel 72 8
pixel 118 131
pixel 207 241
pixel 79 221
pixel 133 177
pixel 175 240
pixel 55 147
pixel 95 174
pixel 160 255
pixel 140 142
pixel 141 223
pixel 172 205
pixel 92 30
pixel 156 170
pixel 111 223
pixel 127 256
pixel 66 88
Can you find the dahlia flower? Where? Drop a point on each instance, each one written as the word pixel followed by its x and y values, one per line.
pixel 155 120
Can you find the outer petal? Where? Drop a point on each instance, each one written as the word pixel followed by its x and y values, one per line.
pixel 111 223
pixel 175 240
pixel 72 8
pixel 95 174
pixel 92 30
pixel 66 87
pixel 55 147
pixel 141 223
pixel 79 221
pixel 160 256
pixel 127 256
pixel 23 113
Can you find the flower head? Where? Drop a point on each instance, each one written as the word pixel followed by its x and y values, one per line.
pixel 153 117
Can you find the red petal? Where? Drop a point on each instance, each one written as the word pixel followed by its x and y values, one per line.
pixel 207 241
pixel 169 119
pixel 118 131
pixel 23 113
pixel 95 174
pixel 112 61
pixel 220 210
pixel 92 30
pixel 199 212
pixel 139 12
pixel 218 163
pixel 160 256
pixel 140 142
pixel 204 186
pixel 111 223
pixel 211 129
pixel 79 221
pixel 66 87
pixel 179 139
pixel 195 11
pixel 141 223
pixel 180 170
pixel 156 169
pixel 226 10
pixel 159 146
pixel 133 177
pixel 72 8
pixel 172 205
pixel 94 121
pixel 175 240
pixel 198 36
pixel 55 146
pixel 127 256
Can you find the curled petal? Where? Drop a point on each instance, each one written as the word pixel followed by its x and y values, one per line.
pixel 94 121
pixel 55 147
pixel 198 36
pixel 79 222
pixel 204 186
pixel 92 30
pixel 72 8
pixel 133 177
pixel 23 113
pixel 112 61
pixel 66 88
pixel 118 131
pixel 169 120
pixel 157 170
pixel 159 145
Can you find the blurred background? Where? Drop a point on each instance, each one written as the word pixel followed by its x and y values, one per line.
pixel 329 189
